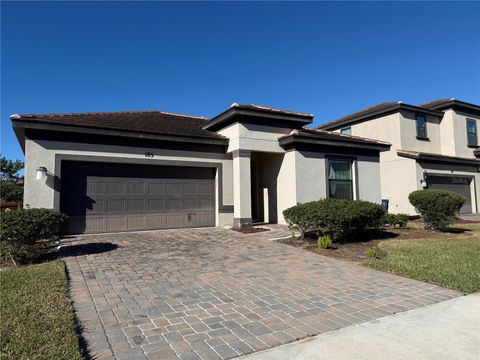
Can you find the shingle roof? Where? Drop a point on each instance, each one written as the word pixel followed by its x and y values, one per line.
pixel 329 135
pixel 152 122
pixel 369 110
pixel 270 110
pixel 434 103
pixel 375 111
pixel 443 104
pixel 433 156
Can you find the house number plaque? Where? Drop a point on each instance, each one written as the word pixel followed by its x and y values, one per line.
pixel 149 155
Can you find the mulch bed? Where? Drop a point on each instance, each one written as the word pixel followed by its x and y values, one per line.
pixel 357 251
pixel 251 230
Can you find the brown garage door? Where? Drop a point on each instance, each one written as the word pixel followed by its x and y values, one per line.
pixel 101 197
pixel 460 185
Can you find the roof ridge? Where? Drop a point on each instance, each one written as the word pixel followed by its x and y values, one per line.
pixel 90 113
pixel 265 107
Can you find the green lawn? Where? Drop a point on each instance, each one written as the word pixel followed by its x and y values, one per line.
pixel 37 319
pixel 449 261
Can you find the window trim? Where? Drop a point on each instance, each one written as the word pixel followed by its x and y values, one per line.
pixel 353 169
pixel 468 120
pixel 420 137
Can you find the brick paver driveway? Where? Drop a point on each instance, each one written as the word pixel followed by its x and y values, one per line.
pixel 214 293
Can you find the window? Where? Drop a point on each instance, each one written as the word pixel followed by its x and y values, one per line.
pixel 340 180
pixel 346 130
pixel 421 126
pixel 472 132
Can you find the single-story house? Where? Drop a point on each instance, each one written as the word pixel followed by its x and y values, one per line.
pixel 140 170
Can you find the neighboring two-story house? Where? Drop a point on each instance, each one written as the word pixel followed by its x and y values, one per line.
pixel 434 145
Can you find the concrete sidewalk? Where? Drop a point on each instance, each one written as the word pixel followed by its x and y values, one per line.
pixel 446 330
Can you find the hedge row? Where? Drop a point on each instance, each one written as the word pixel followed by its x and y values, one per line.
pixel 25 233
pixel 340 219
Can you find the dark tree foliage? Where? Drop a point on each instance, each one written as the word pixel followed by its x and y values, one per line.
pixel 10 188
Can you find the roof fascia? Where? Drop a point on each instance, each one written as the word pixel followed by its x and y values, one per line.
pixel 293 139
pixel 24 124
pixel 230 114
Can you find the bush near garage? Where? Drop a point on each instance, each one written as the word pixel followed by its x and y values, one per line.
pixel 396 219
pixel 438 208
pixel 339 219
pixel 24 234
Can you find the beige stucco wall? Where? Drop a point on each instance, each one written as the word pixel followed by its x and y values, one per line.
pixel 447 134
pixel 460 133
pixel 408 131
pixel 42 153
pixel 254 137
pixel 286 185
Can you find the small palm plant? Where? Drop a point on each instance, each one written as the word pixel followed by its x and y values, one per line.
pixel 324 242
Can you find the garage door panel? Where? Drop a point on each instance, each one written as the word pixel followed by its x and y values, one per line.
pixel 190 189
pixel 101 197
pixel 207 204
pixel 115 223
pixel 116 188
pixel 136 222
pixel 205 219
pixel 174 189
pixel 136 205
pixel 156 188
pixel 92 224
pixel 174 204
pixel 95 187
pixel 206 189
pixel 156 205
pixel 136 188
pixel 191 204
pixel 176 220
pixel 156 221
pixel 116 205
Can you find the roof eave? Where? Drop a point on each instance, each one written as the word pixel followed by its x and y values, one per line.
pixel 391 109
pixel 437 158
pixel 294 139
pixel 456 104
pixel 19 125
pixel 234 112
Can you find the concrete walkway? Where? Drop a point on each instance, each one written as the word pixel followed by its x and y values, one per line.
pixel 446 330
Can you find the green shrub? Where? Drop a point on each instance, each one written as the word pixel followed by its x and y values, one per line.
pixel 437 207
pixel 24 233
pixel 339 219
pixel 302 217
pixel 396 219
pixel 372 253
pixel 402 220
pixel 324 242
pixel 389 219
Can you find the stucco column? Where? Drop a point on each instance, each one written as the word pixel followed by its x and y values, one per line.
pixel 242 195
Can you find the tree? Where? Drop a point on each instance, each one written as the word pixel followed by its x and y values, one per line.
pixel 10 188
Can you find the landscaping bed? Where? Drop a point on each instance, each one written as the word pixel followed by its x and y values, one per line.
pixel 449 258
pixel 37 320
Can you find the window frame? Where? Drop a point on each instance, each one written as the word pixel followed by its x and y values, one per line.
pixel 346 128
pixel 353 171
pixel 468 120
pixel 425 135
